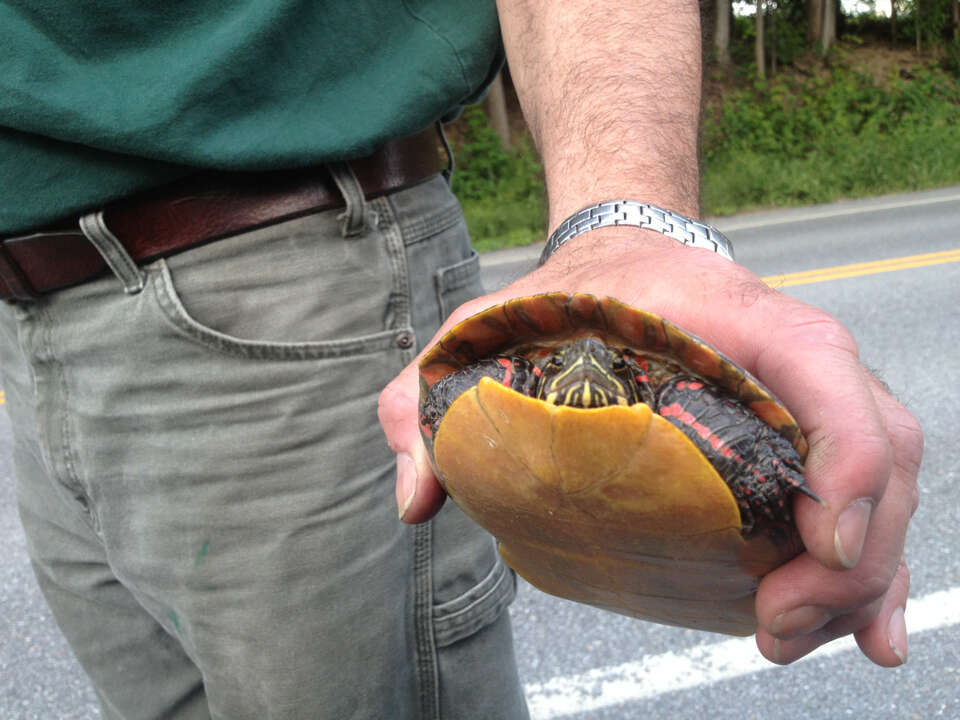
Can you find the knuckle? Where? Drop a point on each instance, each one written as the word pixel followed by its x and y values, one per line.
pixel 903 572
pixel 872 588
pixel 818 327
pixel 869 473
pixel 914 500
pixel 394 400
pixel 467 309
pixel 907 435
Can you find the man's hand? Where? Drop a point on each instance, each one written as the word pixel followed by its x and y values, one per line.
pixel 865 448
pixel 611 93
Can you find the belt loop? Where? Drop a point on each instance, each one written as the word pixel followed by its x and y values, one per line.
pixel 358 217
pixel 116 256
pixel 448 171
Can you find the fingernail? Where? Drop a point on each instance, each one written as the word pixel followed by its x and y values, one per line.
pixel 406 482
pixel 851 531
pixel 800 621
pixel 897 634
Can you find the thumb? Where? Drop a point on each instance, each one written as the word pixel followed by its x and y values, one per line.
pixel 419 495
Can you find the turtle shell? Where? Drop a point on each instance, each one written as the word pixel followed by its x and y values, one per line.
pixel 609 506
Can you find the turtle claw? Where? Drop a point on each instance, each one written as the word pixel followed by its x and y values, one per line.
pixel 802 488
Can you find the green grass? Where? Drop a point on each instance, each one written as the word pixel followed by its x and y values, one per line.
pixel 818 140
pixel 498 224
pixel 502 191
pixel 795 140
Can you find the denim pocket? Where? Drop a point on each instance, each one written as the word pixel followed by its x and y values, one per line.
pixel 458 283
pixel 174 310
pixel 295 290
pixel 464 615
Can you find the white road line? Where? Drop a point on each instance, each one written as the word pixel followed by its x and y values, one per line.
pixel 702 665
pixel 804 216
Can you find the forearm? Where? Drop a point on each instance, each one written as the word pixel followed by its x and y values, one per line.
pixel 611 92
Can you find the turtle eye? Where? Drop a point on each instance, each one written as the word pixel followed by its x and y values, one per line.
pixel 618 363
pixel 556 360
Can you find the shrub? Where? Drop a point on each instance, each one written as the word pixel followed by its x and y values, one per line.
pixel 502 191
pixel 793 141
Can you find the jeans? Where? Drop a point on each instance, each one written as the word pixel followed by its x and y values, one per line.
pixel 207 496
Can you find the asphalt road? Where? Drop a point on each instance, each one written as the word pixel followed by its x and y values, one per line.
pixel 578 662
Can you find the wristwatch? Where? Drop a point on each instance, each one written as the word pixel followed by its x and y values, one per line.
pixel 643 215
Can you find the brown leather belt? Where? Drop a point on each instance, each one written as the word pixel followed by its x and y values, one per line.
pixel 201 209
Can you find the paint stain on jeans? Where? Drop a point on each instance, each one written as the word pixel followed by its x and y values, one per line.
pixel 202 555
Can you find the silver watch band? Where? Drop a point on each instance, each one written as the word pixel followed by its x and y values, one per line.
pixel 643 215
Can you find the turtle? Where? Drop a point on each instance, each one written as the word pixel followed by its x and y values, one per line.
pixel 619 460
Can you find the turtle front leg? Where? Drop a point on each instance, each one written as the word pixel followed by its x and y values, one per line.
pixel 515 372
pixel 758 464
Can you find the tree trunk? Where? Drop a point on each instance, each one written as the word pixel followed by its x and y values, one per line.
pixel 773 40
pixel 893 22
pixel 814 20
pixel 956 19
pixel 916 22
pixel 828 33
pixel 758 45
pixel 721 37
pixel 496 107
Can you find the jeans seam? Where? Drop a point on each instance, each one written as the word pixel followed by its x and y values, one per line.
pixel 69 478
pixel 399 313
pixel 431 225
pixel 428 680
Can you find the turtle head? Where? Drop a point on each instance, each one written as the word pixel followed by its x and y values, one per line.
pixel 587 373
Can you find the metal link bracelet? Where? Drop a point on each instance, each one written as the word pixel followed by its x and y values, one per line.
pixel 642 215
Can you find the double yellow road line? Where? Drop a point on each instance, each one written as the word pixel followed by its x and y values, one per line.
pixel 865 268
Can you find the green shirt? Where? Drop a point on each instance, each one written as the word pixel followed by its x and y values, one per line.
pixel 102 99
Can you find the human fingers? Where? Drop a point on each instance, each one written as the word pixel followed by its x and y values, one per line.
pixel 879 628
pixel 419 494
pixel 812 364
pixel 804 604
pixel 418 491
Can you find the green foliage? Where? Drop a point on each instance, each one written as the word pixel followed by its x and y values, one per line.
pixel 797 139
pixel 786 32
pixel 743 32
pixel 502 191
pixel 789 31
pixel 794 141
pixel 951 58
